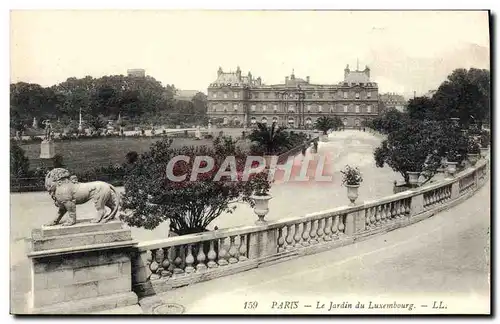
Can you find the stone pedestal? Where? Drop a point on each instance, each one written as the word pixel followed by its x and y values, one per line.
pixel 47 149
pixel 81 269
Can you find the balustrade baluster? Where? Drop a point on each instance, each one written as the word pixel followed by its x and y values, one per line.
pixel 328 229
pixel 305 234
pixel 200 258
pixel 154 266
pixel 335 225
pixel 211 256
pixel 383 215
pixel 178 260
pixel 341 224
pixel 232 250
pixel 407 206
pixel 289 237
pixel 281 240
pixel 373 217
pixel 401 206
pixel 320 231
pixel 222 252
pixel 166 263
pixel 189 260
pixel 367 218
pixel 297 236
pixel 159 256
pixel 379 215
pixel 243 249
pixel 312 232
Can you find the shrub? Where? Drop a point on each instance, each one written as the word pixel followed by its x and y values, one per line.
pixel 473 147
pixel 351 176
pixel 57 161
pixel 485 139
pixel 131 157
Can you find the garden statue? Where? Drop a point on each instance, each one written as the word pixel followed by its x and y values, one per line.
pixel 35 123
pixel 67 192
pixel 48 130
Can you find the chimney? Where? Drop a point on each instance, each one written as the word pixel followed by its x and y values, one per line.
pixel 219 72
pixel 308 79
pixel 286 79
pixel 249 76
pixel 259 81
pixel 238 73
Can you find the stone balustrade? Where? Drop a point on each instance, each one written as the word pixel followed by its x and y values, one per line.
pixel 161 265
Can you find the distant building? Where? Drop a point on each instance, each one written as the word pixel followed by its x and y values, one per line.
pixel 138 73
pixel 185 94
pixel 393 100
pixel 239 99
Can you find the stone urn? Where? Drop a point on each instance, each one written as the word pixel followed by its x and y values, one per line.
pixel 413 177
pixel 473 158
pixel 261 207
pixel 451 167
pixel 352 192
pixel 484 152
pixel 323 138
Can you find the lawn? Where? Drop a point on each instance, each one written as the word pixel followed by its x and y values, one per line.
pixel 87 154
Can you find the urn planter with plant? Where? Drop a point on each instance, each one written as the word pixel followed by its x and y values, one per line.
pixel 452 162
pixel 473 152
pixel 351 179
pixel 261 196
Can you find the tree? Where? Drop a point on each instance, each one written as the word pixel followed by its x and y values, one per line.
pixel 337 123
pixel 151 198
pixel 97 123
pixel 389 121
pixel 19 163
pixel 271 139
pixel 465 95
pixel 424 108
pixel 323 124
pixel 415 146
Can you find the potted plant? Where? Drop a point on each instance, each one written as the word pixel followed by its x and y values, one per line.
pixel 485 141
pixel 413 177
pixel 473 151
pixel 351 178
pixel 451 162
pixel 261 196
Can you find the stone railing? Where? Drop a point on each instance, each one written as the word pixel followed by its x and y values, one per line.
pixel 161 265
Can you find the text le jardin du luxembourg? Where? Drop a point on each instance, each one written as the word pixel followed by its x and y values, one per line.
pixel 333 306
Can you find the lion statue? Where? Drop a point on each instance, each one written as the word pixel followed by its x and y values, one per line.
pixel 67 192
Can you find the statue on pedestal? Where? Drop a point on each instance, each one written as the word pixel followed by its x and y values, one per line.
pixel 67 192
pixel 48 131
pixel 35 123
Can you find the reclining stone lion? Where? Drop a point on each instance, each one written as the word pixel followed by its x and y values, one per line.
pixel 67 192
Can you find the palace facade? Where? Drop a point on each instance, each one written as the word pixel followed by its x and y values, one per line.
pixel 236 99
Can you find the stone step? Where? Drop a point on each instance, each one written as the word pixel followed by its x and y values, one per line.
pixel 81 226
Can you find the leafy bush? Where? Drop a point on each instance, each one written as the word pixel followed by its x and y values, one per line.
pixel 485 139
pixel 473 147
pixel 351 176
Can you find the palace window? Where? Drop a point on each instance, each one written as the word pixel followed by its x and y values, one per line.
pixel 264 107
pixel 320 108
pixel 368 95
pixel 256 95
pixel 308 108
pixel 320 95
pixel 225 108
pixel 357 108
pixel 275 108
pixel 266 95
pixel 332 108
pixel 236 95
pixel 308 95
pixel 345 95
pixel 357 95
pixel 253 108
pixel 225 95
pixel 369 108
pixel 235 107
pixel 345 108
pixel 291 109
pixel 214 108
pixel 214 95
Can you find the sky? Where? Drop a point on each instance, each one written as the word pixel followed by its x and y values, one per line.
pixel 407 51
